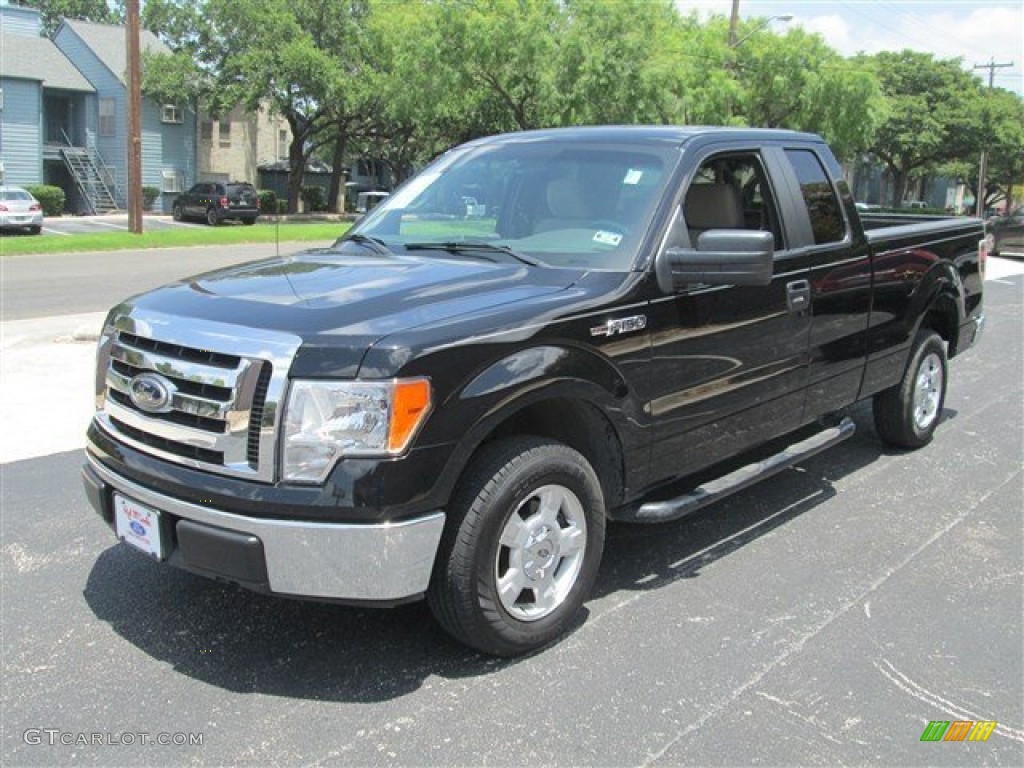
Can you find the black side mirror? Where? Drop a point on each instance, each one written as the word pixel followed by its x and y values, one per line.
pixel 723 257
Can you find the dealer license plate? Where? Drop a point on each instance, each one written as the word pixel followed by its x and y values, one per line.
pixel 139 525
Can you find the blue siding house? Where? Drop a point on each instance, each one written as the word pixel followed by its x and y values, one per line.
pixel 99 51
pixel 44 101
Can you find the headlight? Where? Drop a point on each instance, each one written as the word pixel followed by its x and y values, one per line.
pixel 326 420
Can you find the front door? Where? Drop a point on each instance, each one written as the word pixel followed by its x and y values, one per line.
pixel 729 362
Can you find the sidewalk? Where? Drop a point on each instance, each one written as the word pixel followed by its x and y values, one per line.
pixel 46 384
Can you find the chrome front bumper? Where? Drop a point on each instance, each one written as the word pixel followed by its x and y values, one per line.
pixel 386 562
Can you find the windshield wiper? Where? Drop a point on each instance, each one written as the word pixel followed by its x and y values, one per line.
pixel 375 244
pixel 477 248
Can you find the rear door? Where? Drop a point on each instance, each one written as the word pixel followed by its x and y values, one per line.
pixel 730 362
pixel 840 266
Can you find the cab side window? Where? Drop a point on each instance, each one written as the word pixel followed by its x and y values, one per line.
pixel 827 221
pixel 731 192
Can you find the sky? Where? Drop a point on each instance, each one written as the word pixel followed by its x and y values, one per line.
pixel 974 31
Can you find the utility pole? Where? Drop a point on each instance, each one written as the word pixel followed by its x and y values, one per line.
pixel 983 169
pixel 134 121
pixel 734 20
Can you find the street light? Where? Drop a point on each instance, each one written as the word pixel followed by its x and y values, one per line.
pixel 733 43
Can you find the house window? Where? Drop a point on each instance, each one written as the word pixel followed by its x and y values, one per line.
pixel 225 133
pixel 107 126
pixel 206 130
pixel 173 181
pixel 171 114
pixel 282 144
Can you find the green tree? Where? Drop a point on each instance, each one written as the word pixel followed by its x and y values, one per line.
pixel 621 62
pixel 996 124
pixel 928 104
pixel 797 81
pixel 54 11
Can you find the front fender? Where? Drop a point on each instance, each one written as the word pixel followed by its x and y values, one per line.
pixel 491 397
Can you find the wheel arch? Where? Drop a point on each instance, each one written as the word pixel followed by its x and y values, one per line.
pixel 573 412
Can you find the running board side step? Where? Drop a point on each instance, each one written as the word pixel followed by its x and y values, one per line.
pixel 719 488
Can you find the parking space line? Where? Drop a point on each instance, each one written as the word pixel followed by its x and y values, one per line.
pixel 108 224
pixel 56 232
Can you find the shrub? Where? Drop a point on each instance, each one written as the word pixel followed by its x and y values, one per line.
pixel 268 200
pixel 315 199
pixel 282 206
pixel 51 198
pixel 149 196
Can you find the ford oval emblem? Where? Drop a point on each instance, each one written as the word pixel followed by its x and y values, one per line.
pixel 151 392
pixel 137 528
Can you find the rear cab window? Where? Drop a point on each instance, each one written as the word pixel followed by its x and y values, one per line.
pixel 819 196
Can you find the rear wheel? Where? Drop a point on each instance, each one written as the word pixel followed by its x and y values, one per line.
pixel 521 547
pixel 906 415
pixel 212 218
pixel 249 222
pixel 35 230
pixel 176 213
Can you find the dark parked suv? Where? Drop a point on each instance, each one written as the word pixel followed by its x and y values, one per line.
pixel 216 202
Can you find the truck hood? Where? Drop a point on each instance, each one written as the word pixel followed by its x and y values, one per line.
pixel 348 302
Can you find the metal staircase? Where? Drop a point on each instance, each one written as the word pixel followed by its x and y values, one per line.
pixel 88 172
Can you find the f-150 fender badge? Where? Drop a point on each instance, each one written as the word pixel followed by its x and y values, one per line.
pixel 620 325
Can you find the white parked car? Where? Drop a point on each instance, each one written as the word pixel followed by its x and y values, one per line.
pixel 19 210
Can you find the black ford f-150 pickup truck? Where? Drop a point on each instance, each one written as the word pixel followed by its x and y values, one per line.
pixel 627 324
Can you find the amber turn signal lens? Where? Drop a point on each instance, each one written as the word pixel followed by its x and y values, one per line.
pixel 409 409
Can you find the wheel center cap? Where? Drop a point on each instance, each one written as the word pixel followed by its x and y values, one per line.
pixel 540 557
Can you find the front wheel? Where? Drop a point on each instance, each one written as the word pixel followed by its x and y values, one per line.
pixel 906 415
pixel 176 213
pixel 521 547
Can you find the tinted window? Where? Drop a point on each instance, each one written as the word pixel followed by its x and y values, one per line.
pixel 819 197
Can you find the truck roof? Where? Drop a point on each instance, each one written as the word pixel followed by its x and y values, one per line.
pixel 645 134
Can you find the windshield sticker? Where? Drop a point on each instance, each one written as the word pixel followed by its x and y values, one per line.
pixel 607 238
pixel 633 176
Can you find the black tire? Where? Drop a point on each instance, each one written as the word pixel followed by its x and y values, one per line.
pixel 508 478
pixel 907 414
pixel 35 230
pixel 176 213
pixel 249 222
pixel 212 218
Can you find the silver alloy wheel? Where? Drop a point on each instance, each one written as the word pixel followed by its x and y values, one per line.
pixel 541 552
pixel 927 391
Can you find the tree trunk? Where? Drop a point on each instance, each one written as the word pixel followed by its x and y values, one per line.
pixel 899 187
pixel 296 171
pixel 338 166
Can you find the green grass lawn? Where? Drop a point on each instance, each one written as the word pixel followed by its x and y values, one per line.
pixel 173 237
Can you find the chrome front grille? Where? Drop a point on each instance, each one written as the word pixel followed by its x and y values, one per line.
pixel 223 387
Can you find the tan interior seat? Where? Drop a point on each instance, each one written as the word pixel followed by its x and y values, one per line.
pixel 712 206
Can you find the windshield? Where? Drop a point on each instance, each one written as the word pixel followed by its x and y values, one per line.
pixel 568 204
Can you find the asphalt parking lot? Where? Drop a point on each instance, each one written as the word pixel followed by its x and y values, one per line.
pixel 113 222
pixel 823 617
